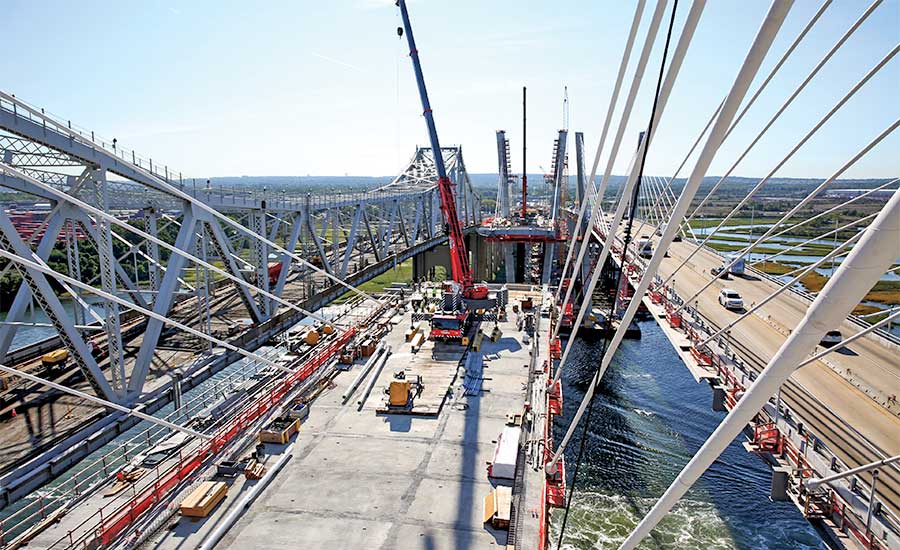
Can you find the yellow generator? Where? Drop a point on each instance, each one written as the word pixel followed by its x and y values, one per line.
pixel 402 391
pixel 399 393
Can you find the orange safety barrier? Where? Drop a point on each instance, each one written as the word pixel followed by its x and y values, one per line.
pixel 702 357
pixel 555 348
pixel 554 399
pixel 556 485
pixel 113 524
pixel 674 319
pixel 768 437
pixel 839 508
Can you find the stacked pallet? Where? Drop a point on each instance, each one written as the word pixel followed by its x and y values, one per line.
pixel 254 470
pixel 203 499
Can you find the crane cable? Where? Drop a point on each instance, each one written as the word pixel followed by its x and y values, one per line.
pixel 627 240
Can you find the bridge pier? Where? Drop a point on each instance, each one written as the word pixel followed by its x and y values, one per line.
pixel 424 263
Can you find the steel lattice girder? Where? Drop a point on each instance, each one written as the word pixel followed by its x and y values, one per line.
pixel 400 215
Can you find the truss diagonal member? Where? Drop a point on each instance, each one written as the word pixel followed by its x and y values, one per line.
pixel 174 249
pixel 351 241
pixel 598 196
pixel 23 296
pixel 761 44
pixel 162 305
pixel 11 244
pixel 147 177
pixel 876 251
pixel 296 227
pixel 29 264
pixel 121 275
pixel 373 243
pixel 222 248
pixel 318 241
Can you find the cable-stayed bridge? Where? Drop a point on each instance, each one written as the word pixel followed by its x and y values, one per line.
pixel 172 279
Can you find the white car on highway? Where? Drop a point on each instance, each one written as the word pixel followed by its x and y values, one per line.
pixel 730 299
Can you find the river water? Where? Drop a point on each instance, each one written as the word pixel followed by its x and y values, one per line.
pixel 649 418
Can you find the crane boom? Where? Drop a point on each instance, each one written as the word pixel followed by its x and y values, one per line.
pixel 461 271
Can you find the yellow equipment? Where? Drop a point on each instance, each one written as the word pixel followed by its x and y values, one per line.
pixel 398 393
pixel 402 390
pixel 55 358
pixel 311 337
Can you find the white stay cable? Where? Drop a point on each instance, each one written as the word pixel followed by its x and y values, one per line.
pixel 125 303
pixel 790 50
pixel 617 141
pixel 812 240
pixel 662 97
pixel 793 96
pixel 855 276
pixel 623 64
pixel 112 219
pixel 88 397
pixel 790 154
pixel 753 98
pixel 785 286
pixel 787 216
pixel 750 66
pixel 830 210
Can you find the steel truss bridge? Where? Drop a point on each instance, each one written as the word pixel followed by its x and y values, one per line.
pixel 214 256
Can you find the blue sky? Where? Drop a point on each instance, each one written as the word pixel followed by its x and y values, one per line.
pixel 326 88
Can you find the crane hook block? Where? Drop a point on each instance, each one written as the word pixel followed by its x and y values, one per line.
pixel 399 31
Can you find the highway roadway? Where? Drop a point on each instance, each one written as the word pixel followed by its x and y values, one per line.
pixel 851 423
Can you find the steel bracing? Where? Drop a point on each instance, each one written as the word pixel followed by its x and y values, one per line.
pixel 210 256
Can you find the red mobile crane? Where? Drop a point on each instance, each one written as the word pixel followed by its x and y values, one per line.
pixel 461 271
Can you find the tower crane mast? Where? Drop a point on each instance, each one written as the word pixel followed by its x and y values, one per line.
pixel 461 271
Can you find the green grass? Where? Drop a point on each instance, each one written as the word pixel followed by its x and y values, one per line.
pixel 884 292
pixel 809 250
pixel 812 280
pixel 401 274
pixel 702 223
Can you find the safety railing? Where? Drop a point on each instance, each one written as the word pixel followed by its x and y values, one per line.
pixel 247 197
pixel 736 376
pixel 98 471
pixel 113 518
